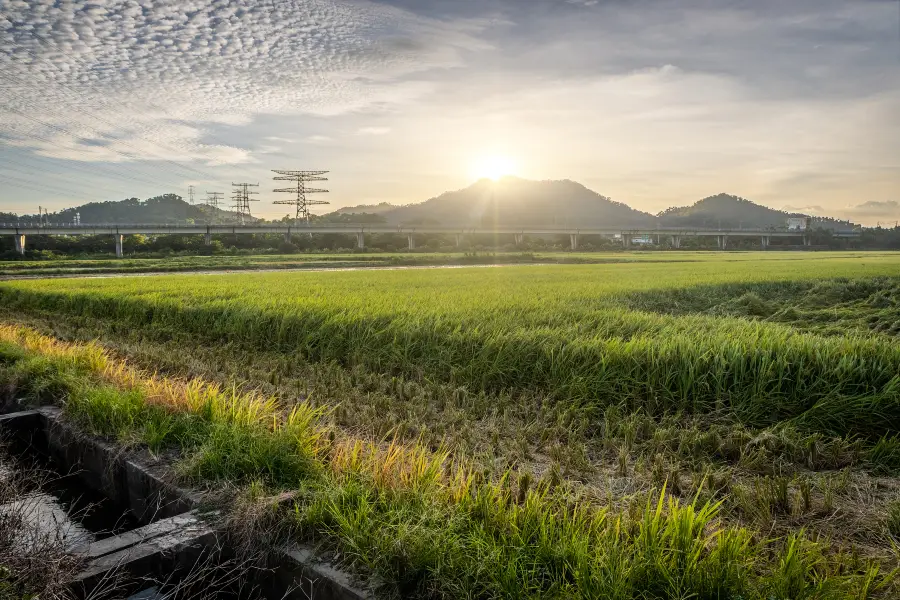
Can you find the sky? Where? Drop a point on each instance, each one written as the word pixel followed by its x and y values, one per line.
pixel 792 104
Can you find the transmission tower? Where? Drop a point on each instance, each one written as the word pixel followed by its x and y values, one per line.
pixel 300 190
pixel 212 199
pixel 191 194
pixel 242 197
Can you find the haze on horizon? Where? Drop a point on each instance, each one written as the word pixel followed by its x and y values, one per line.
pixel 792 105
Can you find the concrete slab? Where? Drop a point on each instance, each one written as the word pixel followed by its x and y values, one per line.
pixel 160 556
pixel 43 520
pixel 140 535
pixel 307 576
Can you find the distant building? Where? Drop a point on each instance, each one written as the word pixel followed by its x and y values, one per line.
pixel 798 223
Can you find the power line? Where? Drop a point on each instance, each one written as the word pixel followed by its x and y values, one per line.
pixel 62 129
pixel 242 197
pixel 213 198
pixel 89 168
pixel 177 165
pixel 105 96
pixel 301 179
pixel 29 185
pixel 98 169
pixel 26 83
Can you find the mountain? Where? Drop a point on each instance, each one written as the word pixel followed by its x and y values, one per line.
pixel 509 202
pixel 368 209
pixel 733 212
pixel 168 208
pixel 512 201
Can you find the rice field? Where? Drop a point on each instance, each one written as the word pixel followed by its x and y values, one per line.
pixel 574 332
pixel 80 266
pixel 719 426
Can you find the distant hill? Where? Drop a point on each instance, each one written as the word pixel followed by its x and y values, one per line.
pixel 509 202
pixel 168 208
pixel 733 212
pixel 369 209
pixel 513 201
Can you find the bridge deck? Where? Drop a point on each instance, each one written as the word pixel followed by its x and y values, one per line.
pixel 162 229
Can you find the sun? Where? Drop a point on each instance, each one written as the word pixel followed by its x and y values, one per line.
pixel 493 167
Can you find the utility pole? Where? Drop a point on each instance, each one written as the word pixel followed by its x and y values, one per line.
pixel 242 199
pixel 212 199
pixel 191 194
pixel 300 190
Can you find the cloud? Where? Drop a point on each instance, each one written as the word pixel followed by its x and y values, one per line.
pixel 653 102
pixel 874 208
pixel 121 81
pixel 373 131
pixel 813 209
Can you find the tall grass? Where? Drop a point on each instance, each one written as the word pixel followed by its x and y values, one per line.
pixel 565 331
pixel 425 525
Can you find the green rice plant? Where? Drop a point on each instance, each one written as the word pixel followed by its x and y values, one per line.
pixel 568 332
pixel 427 527
pixel 795 575
pixel 893 518
pixel 884 455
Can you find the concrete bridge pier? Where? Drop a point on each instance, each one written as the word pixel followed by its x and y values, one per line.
pixel 458 240
pixel 723 242
pixel 676 241
pixel 573 240
pixel 765 242
pixel 520 238
pixel 360 240
pixel 20 243
pixel 119 239
pixel 625 241
pixel 807 241
pixel 412 241
pixel 207 239
pixel 287 236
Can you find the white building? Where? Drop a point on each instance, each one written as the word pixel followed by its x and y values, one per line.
pixel 798 223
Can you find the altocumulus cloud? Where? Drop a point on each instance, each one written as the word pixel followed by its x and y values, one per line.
pixel 94 81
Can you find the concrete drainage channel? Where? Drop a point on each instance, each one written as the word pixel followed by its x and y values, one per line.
pixel 152 530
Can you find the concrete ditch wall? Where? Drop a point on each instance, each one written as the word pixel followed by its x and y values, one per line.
pixel 173 534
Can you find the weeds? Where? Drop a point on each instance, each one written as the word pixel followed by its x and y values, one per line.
pixel 35 561
pixel 426 525
pixel 893 519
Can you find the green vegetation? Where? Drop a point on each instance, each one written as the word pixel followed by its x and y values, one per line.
pixel 320 260
pixel 168 208
pixel 711 426
pixel 829 307
pixel 357 260
pixel 559 330
pixel 733 212
pixel 425 526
